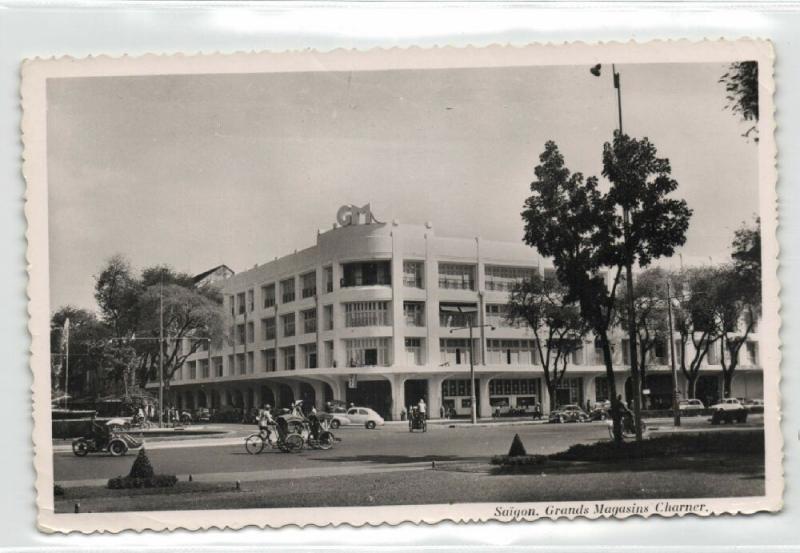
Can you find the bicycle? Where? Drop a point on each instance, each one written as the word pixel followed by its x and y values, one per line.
pixel 255 443
pixel 628 428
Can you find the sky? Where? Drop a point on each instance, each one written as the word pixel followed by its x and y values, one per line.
pixel 198 170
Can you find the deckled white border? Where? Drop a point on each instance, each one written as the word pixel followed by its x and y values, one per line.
pixel 34 76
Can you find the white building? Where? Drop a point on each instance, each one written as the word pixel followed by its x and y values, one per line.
pixel 365 316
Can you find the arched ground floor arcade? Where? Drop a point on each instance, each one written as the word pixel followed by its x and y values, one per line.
pixel 448 392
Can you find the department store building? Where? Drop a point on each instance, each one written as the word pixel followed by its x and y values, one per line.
pixel 375 314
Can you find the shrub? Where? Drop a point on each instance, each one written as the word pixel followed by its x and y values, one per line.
pixel 155 481
pixel 58 490
pixel 518 460
pixel 735 443
pixel 141 466
pixel 517 449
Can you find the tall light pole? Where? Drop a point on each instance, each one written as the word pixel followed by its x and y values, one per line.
pixel 470 325
pixel 676 412
pixel 637 407
pixel 161 353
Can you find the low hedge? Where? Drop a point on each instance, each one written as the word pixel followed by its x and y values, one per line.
pixel 518 460
pixel 58 490
pixel 739 442
pixel 155 481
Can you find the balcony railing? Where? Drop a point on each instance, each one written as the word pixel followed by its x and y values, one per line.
pixel 367 318
pixel 448 283
pixel 309 292
pixel 310 326
pixel 288 297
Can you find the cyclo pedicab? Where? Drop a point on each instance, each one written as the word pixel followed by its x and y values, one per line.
pixel 290 432
pixel 417 420
pixel 105 437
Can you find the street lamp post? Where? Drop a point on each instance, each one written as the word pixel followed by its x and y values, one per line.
pixel 676 412
pixel 637 407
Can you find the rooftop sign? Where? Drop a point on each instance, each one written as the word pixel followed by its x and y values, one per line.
pixel 353 215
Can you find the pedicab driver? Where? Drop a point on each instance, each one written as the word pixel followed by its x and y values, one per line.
pixel 421 406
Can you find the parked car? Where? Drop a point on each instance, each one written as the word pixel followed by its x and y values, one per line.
pixel 751 403
pixel 600 411
pixel 568 413
pixel 336 417
pixel 366 416
pixel 201 415
pixel 691 405
pixel 728 410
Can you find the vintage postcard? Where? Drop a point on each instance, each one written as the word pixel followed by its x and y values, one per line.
pixel 467 284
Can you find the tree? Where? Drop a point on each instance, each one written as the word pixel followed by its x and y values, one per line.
pixel 739 299
pixel 581 228
pixel 557 325
pixel 88 337
pixel 696 320
pixel 131 306
pixel 741 86
pixel 650 313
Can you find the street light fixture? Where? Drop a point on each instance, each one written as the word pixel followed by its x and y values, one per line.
pixel 464 310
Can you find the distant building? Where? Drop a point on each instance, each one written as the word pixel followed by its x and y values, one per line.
pixel 368 315
pixel 213 276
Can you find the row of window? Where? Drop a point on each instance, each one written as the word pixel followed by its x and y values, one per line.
pixel 459 276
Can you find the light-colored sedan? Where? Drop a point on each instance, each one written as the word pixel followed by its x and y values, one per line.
pixel 690 405
pixel 364 416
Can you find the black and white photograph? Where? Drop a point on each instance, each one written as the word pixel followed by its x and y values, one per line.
pixel 472 284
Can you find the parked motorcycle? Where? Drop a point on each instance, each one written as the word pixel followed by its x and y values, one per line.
pixel 110 441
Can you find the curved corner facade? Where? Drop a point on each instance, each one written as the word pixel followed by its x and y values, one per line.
pixel 372 315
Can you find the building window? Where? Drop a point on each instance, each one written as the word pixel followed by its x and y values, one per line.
pixel 309 321
pixel 601 389
pixel 288 324
pixel 368 352
pixel 414 351
pixel 327 314
pixel 414 313
pixel 251 332
pixel 309 282
pixel 328 274
pixel 413 274
pixel 310 356
pixel 251 300
pixel 497 315
pixel 287 290
pixel 456 351
pixel 218 367
pixel 288 358
pixel 192 370
pixel 268 293
pixel 366 313
pixel 250 363
pixel 451 317
pixel 457 388
pixel 367 273
pixel 203 363
pixel 240 363
pixel 240 334
pixel 268 328
pixel 231 367
pixel 232 303
pixel 456 276
pixel 504 279
pixel 329 359
pixel 569 390
pixel 240 303
pixel 268 356
pixel 511 352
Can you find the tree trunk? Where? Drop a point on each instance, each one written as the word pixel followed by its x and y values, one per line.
pixel 551 392
pixel 692 385
pixel 616 413
pixel 727 383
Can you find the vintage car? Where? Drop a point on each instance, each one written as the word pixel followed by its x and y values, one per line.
pixel 691 405
pixel 728 410
pixel 568 413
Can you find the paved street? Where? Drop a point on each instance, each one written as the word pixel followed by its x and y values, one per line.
pixel 359 449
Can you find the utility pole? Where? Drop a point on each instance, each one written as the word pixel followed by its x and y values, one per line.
pixel 637 404
pixel 470 311
pixel 161 354
pixel 676 412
